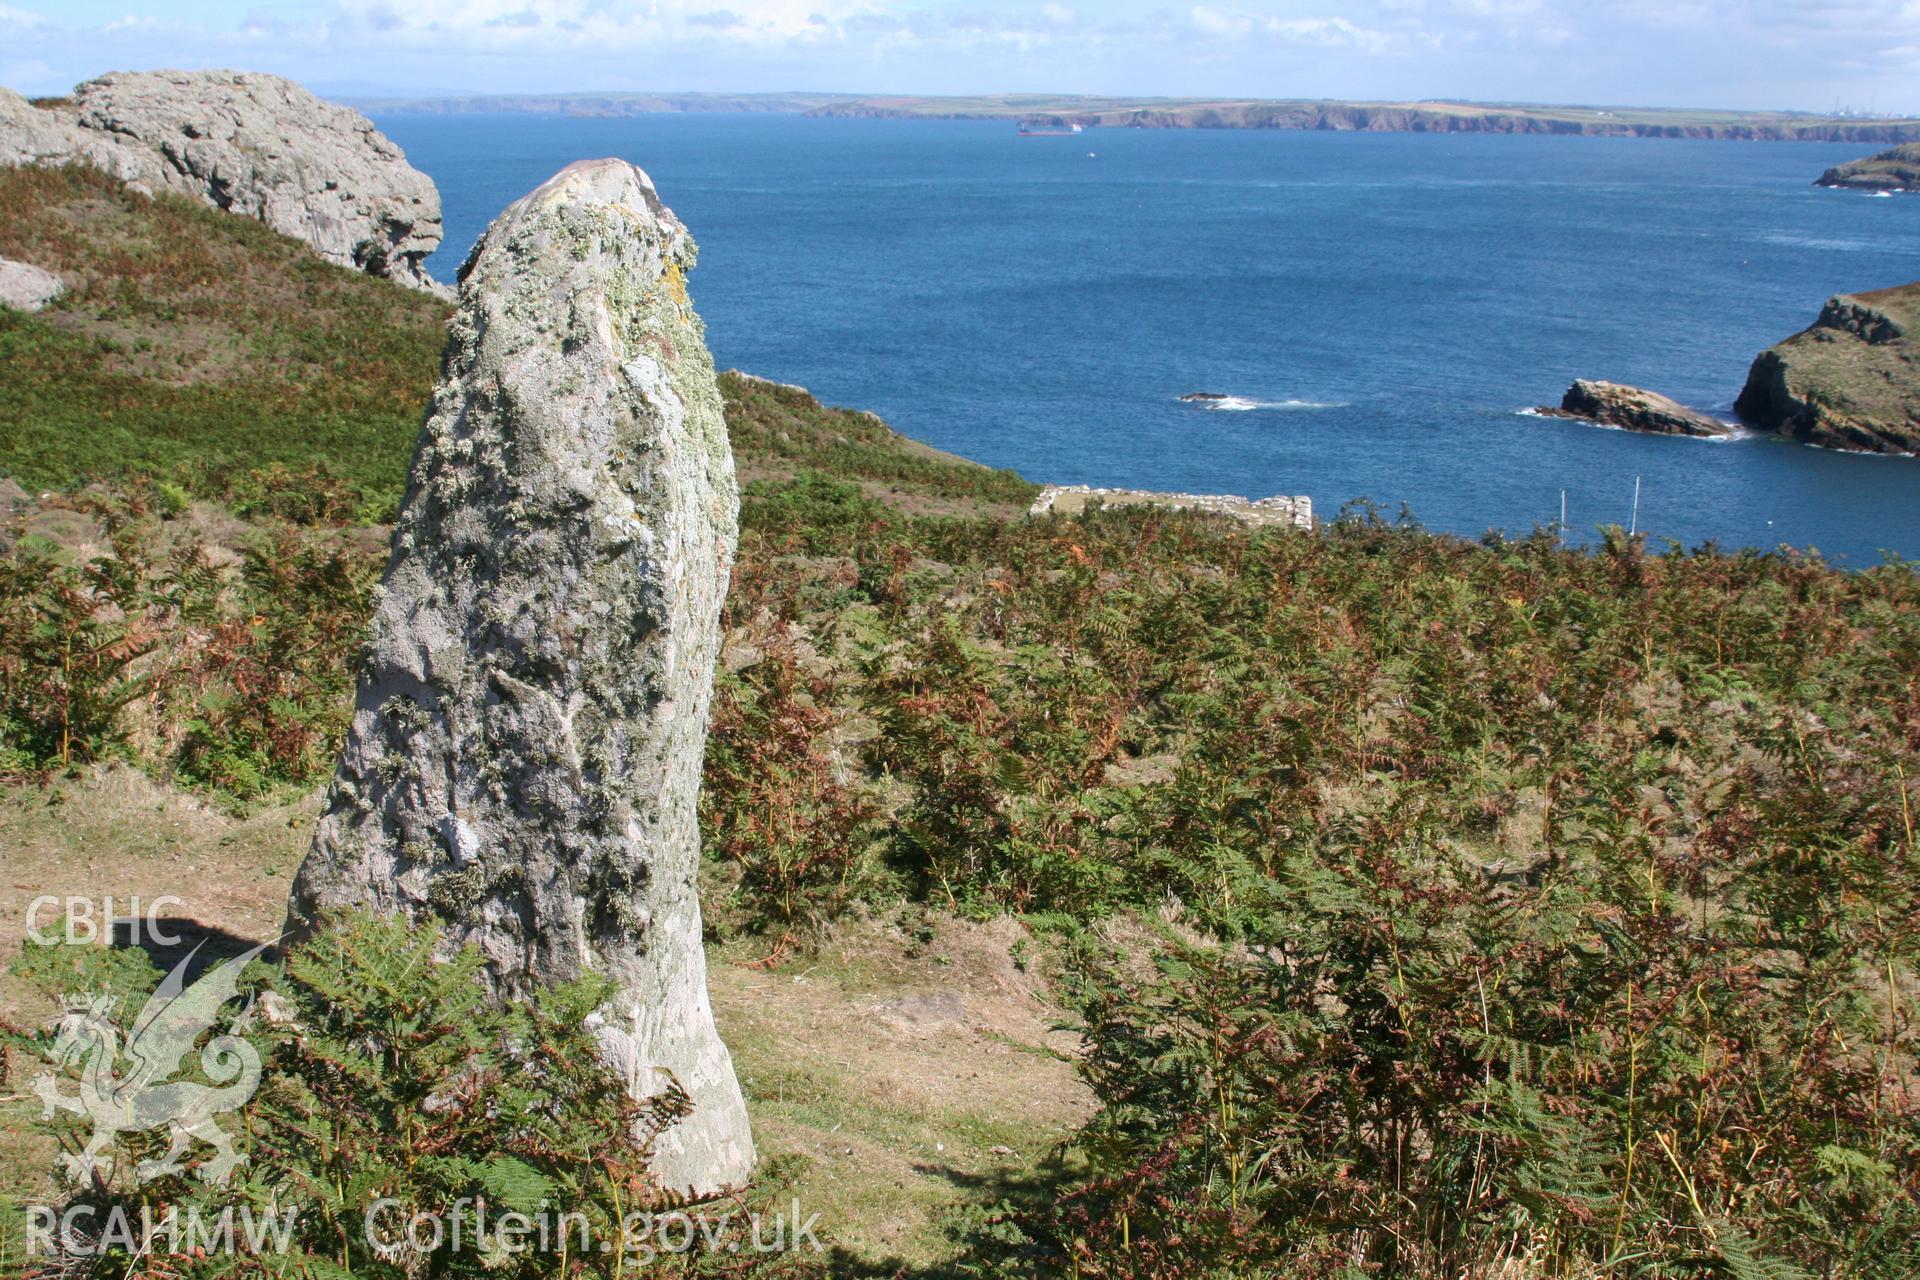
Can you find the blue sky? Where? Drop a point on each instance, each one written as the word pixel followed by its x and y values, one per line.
pixel 1804 54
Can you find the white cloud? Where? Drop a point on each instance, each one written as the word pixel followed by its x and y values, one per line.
pixel 1682 52
pixel 19 20
pixel 1329 33
pixel 1216 22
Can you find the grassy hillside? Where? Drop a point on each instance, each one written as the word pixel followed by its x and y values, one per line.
pixel 1430 907
pixel 196 347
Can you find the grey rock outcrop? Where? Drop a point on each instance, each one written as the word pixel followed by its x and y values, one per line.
pixel 46 135
pixel 1071 499
pixel 1633 409
pixel 525 755
pixel 25 287
pixel 255 145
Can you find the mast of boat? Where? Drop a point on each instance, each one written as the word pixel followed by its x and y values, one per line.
pixel 1633 522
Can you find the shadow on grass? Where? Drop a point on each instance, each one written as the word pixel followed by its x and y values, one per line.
pixel 982 1227
pixel 170 940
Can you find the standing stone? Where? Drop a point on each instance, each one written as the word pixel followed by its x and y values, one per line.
pixel 525 755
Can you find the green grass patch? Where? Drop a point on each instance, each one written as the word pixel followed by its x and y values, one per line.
pixel 198 347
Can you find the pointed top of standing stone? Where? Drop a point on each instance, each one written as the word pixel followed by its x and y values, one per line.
pixel 597 207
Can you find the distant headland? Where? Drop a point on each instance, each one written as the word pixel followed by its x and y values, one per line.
pixel 1895 170
pixel 1207 113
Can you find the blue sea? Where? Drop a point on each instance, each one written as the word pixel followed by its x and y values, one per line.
pixel 1384 304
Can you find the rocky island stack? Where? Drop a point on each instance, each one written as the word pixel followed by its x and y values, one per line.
pixel 525 755
pixel 1851 381
pixel 1895 170
pixel 1615 404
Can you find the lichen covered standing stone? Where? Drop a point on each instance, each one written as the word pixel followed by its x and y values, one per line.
pixel 526 748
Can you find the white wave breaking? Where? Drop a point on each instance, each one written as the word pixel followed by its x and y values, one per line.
pixel 1831 243
pixel 1244 404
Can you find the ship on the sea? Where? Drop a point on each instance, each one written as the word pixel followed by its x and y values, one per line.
pixel 1030 130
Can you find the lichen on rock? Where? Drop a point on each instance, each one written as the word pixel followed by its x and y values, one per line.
pixel 526 749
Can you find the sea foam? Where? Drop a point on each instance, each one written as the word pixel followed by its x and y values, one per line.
pixel 1244 404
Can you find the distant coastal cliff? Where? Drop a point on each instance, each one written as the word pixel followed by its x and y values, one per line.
pixel 1189 113
pixel 1425 117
